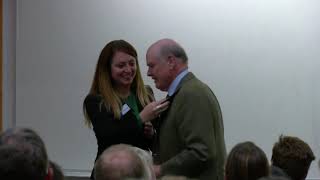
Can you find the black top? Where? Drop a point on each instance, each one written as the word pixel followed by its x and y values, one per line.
pixel 110 131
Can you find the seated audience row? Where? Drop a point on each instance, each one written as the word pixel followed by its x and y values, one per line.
pixel 291 159
pixel 23 156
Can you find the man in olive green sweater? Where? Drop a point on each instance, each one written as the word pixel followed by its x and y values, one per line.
pixel 191 134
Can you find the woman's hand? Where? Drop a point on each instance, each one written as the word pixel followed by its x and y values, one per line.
pixel 153 110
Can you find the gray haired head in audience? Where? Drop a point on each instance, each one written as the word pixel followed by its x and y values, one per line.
pixel 124 162
pixel 23 153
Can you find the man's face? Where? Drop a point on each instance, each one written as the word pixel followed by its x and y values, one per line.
pixel 159 71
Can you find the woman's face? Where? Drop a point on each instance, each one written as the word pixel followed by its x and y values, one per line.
pixel 123 69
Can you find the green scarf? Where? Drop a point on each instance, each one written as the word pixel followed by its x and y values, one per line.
pixel 131 101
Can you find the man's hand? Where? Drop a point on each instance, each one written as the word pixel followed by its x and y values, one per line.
pixel 157 170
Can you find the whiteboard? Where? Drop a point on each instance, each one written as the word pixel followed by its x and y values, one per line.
pixel 261 58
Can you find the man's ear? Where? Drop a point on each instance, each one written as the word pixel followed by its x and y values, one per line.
pixel 171 61
pixel 49 175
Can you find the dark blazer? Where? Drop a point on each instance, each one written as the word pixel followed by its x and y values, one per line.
pixel 110 131
pixel 191 135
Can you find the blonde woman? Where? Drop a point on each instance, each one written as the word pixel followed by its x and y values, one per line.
pixel 119 106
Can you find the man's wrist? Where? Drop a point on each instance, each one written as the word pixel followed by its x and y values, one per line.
pixel 157 170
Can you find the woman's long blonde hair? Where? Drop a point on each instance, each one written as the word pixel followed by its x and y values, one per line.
pixel 103 84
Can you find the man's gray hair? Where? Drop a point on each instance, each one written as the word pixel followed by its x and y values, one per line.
pixel 176 50
pixel 147 161
pixel 139 164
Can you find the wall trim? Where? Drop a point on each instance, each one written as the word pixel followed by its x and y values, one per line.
pixel 77 172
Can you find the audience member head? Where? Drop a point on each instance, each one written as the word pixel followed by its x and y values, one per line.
pixel 293 156
pixel 24 155
pixel 124 162
pixel 246 161
pixel 147 161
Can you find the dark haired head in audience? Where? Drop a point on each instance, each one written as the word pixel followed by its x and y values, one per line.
pixel 291 157
pixel 246 161
pixel 23 154
pixel 274 178
pixel 123 161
